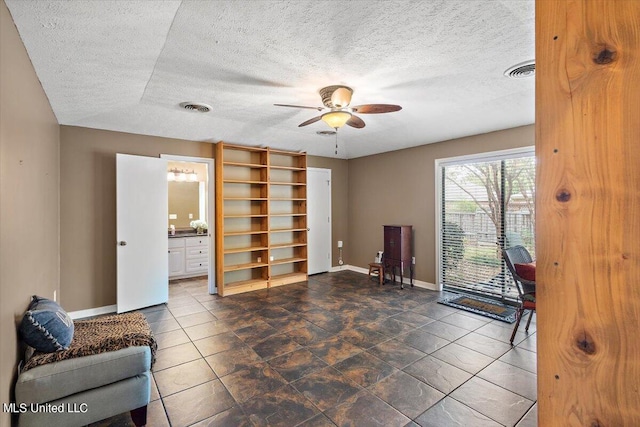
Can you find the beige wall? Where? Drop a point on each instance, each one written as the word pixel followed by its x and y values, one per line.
pixel 88 207
pixel 339 200
pixel 406 178
pixel 399 188
pixel 29 195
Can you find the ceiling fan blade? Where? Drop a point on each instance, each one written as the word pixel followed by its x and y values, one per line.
pixel 355 122
pixel 376 108
pixel 299 106
pixel 308 122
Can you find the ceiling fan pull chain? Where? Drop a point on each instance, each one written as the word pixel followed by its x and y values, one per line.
pixel 336 141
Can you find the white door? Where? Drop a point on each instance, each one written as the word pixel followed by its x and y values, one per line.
pixel 141 226
pixel 318 220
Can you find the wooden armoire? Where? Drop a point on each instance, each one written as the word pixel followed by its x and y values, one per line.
pixel 397 250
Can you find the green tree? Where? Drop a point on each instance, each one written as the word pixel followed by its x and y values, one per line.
pixel 519 178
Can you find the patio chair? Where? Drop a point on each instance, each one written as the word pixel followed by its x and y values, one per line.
pixel 522 268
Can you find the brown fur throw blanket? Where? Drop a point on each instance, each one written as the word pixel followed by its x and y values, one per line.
pixel 99 335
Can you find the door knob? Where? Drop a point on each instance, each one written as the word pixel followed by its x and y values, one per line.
pixel 122 243
pixel 308 229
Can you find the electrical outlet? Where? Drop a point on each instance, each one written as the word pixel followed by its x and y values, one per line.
pixel 173 216
pixel 190 216
pixel 339 243
pixel 55 296
pixel 413 260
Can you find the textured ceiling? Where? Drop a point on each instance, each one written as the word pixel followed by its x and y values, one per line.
pixel 126 65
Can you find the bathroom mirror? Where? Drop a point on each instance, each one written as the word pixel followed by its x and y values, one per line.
pixel 187 193
pixel 184 200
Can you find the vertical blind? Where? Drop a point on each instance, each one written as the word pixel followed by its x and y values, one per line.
pixel 487 204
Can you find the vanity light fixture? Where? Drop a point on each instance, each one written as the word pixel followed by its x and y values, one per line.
pixel 182 175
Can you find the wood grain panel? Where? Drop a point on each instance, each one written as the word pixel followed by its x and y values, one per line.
pixel 588 210
pixel 219 223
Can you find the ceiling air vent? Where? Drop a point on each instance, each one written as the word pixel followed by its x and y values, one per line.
pixel 326 132
pixel 195 106
pixel 522 70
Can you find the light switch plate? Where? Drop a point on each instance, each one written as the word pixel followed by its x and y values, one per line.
pixel 173 216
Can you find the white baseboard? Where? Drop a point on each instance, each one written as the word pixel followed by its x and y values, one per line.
pixel 424 285
pixel 338 268
pixel 81 314
pixel 357 269
pixel 406 280
pixel 108 309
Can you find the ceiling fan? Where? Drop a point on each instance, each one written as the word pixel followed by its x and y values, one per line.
pixel 336 99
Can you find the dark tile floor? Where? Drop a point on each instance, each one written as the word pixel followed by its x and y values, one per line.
pixel 336 350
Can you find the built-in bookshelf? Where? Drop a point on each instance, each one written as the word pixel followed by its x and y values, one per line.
pixel 261 218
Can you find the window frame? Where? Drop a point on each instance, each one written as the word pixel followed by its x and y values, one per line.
pixel 489 156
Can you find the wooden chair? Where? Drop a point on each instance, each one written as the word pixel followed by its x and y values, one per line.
pixel 518 258
pixel 377 267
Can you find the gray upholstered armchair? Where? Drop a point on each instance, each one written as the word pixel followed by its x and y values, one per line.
pixel 104 371
pixel 86 389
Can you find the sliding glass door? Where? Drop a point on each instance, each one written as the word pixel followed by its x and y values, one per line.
pixel 487 203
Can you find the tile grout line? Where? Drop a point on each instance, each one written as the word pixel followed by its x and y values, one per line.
pixel 388 338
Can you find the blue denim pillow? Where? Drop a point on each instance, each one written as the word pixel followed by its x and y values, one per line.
pixel 46 326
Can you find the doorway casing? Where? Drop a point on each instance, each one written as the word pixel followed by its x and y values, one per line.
pixel 212 287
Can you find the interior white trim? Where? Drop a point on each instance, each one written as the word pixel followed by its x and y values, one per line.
pixel 511 153
pixel 213 287
pixel 82 314
pixel 108 309
pixel 406 280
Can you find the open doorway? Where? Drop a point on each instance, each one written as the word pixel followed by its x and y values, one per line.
pixel 190 220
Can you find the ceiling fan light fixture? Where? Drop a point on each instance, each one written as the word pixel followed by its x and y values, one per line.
pixel 336 119
pixel 341 97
